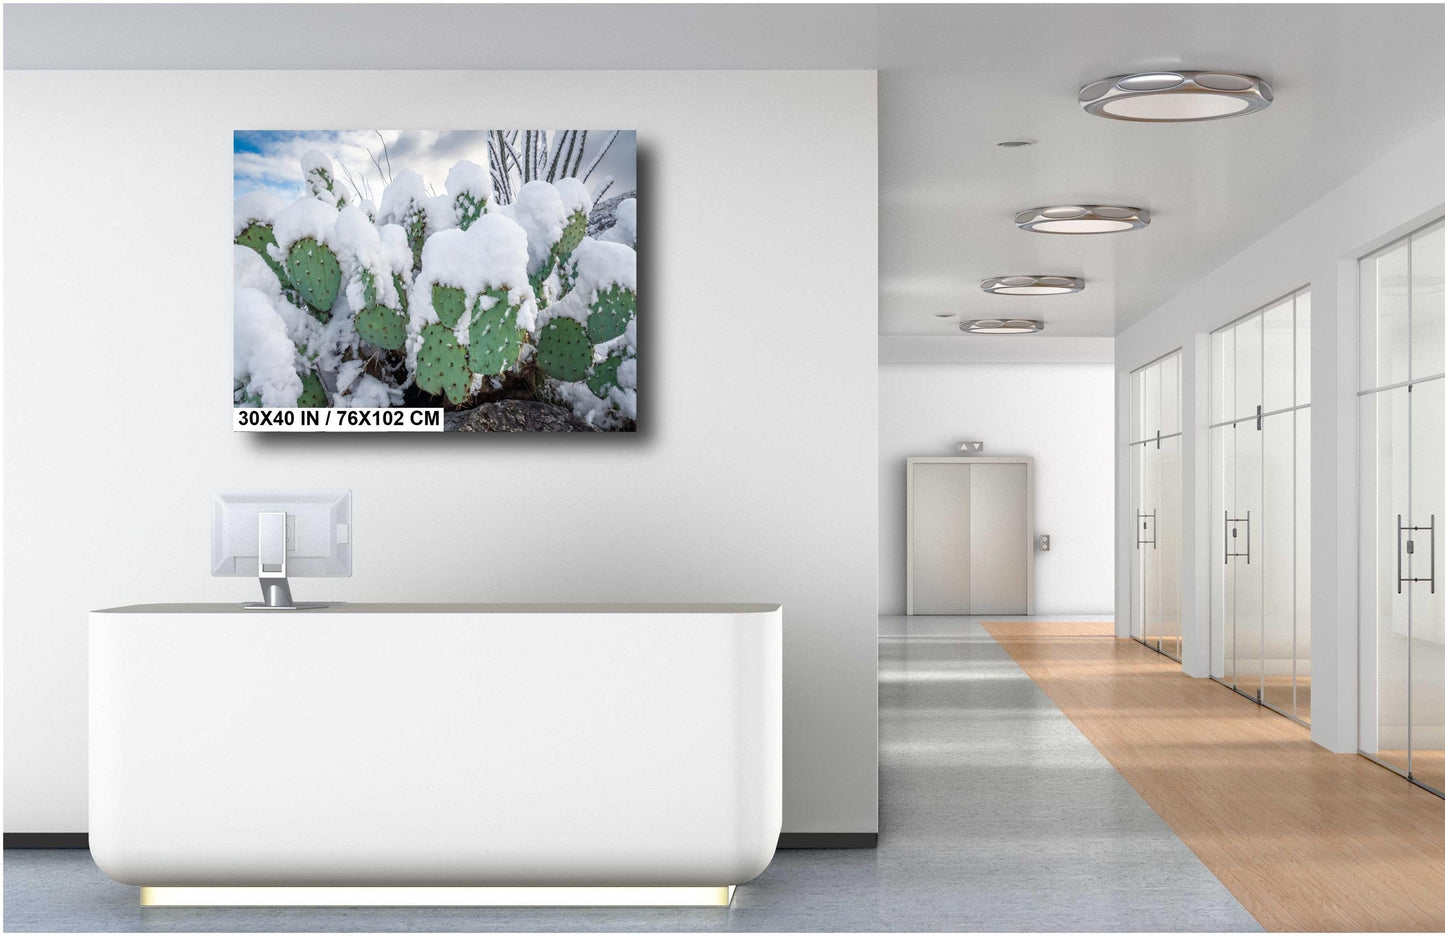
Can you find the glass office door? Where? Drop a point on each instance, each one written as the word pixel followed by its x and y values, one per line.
pixel 1155 445
pixel 1402 475
pixel 1259 499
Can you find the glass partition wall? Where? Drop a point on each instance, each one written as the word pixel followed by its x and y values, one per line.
pixel 1402 503
pixel 1155 441
pixel 1259 451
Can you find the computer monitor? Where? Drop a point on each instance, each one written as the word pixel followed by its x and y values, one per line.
pixel 273 535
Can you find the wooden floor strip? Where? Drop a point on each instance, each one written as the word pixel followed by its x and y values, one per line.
pixel 1307 840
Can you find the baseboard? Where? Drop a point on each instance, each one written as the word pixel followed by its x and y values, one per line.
pixel 47 840
pixel 828 840
pixel 786 840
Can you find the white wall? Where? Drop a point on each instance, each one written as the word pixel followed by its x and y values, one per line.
pixel 754 477
pixel 1319 247
pixel 1062 414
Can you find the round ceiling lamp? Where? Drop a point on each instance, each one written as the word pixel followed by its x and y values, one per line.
pixel 1175 96
pixel 1001 326
pixel 1032 285
pixel 1082 219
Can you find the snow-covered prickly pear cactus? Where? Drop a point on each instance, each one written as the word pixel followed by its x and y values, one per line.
pixel 473 289
pixel 436 298
pixel 470 189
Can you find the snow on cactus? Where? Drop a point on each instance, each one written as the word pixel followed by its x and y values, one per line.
pixel 471 307
pixel 487 289
pixel 470 189
pixel 264 358
pixel 404 202
pixel 304 247
pixel 587 341
pixel 624 229
pixel 321 181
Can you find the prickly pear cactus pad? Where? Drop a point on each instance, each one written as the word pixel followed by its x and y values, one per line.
pixel 493 340
pixel 488 277
pixel 450 303
pixel 441 364
pixel 604 375
pixel 563 350
pixel 312 392
pixel 315 272
pixel 610 312
pixel 385 328
pixel 259 237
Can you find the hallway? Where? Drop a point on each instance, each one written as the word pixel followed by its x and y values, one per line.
pixel 1308 840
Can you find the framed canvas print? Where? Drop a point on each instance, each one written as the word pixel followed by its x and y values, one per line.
pixel 461 280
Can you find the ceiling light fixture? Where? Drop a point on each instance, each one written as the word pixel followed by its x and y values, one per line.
pixel 1002 326
pixel 1015 144
pixel 1032 285
pixel 1175 96
pixel 1082 219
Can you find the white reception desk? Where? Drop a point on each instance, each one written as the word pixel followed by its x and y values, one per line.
pixel 434 746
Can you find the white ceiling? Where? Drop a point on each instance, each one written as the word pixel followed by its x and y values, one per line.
pixel 1350 82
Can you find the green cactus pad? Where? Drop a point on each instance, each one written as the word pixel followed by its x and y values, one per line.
pixel 400 291
pixel 494 340
pixel 449 303
pixel 312 393
pixel 416 238
pixel 604 375
pixel 535 280
pixel 368 288
pixel 441 364
pixel 315 273
pixel 468 209
pixel 572 234
pixel 563 350
pixel 385 328
pixel 613 308
pixel 258 237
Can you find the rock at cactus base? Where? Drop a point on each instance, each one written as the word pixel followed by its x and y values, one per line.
pixel 494 340
pixel 516 416
pixel 441 365
pixel 448 302
pixel 613 308
pixel 316 274
pixel 563 350
pixel 385 328
pixel 312 392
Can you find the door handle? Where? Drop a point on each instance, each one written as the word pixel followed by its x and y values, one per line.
pixel 1409 548
pixel 1231 532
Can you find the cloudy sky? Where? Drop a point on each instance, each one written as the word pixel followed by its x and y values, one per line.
pixel 271 159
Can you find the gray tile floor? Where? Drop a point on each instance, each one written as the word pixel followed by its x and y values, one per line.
pixel 997 815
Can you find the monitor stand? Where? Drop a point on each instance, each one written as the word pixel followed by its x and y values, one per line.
pixel 271 563
pixel 276 596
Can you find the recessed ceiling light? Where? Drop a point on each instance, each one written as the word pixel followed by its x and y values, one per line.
pixel 1001 326
pixel 1082 219
pixel 1174 96
pixel 1032 285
